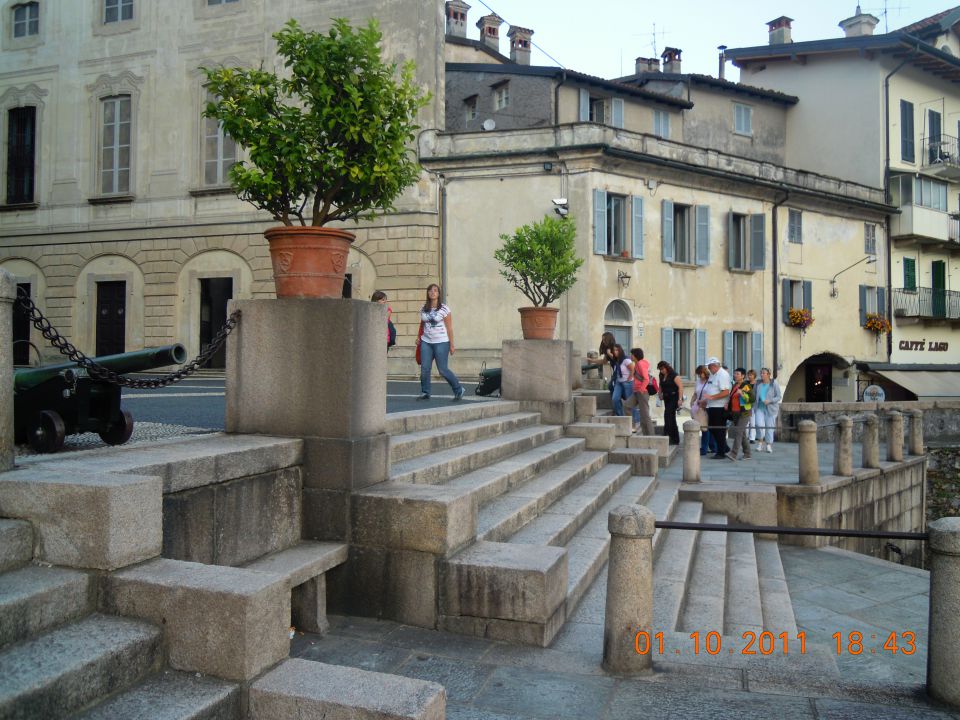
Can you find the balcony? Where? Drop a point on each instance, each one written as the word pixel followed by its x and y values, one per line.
pixel 941 158
pixel 926 305
pixel 918 226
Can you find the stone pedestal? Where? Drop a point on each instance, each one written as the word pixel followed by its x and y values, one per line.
pixel 807 443
pixel 315 369
pixel 943 655
pixel 691 451
pixel 843 448
pixel 916 432
pixel 537 373
pixel 871 442
pixel 8 293
pixel 895 437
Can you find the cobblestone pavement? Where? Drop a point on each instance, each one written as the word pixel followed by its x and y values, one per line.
pixel 144 433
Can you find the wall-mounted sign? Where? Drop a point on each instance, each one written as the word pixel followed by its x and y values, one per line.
pixel 874 393
pixel 923 346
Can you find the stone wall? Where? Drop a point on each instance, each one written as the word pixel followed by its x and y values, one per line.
pixel 941 418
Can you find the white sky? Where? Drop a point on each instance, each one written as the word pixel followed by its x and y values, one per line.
pixel 603 37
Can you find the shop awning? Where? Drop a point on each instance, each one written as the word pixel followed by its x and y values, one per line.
pixel 926 384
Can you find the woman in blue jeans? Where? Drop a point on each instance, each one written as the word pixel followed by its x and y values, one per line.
pixel 436 343
pixel 622 377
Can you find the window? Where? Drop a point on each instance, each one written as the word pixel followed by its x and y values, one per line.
pixel 21 153
pixel 616 220
pixel 618 225
pixel 661 124
pixel 26 19
pixel 470 108
pixel 600 110
pixel 685 234
pixel 872 300
pixel 743 349
pixel 501 95
pixel 596 110
pixel 684 349
pixel 935 141
pixel 742 119
pixel 795 294
pixel 219 152
pixel 746 242
pixel 910 274
pixel 617 320
pixel 906 132
pixel 930 193
pixel 870 238
pixel 115 145
pixel 795 226
pixel 220 2
pixel 117 10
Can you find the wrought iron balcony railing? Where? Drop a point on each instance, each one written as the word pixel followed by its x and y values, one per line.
pixel 926 304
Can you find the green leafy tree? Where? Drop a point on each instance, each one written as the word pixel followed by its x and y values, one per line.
pixel 336 128
pixel 540 260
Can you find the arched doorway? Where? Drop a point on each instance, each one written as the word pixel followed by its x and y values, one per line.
pixel 819 378
pixel 618 320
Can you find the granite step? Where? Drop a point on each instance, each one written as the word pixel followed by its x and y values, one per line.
pixel 16 544
pixel 775 602
pixel 170 695
pixel 662 503
pixel 439 467
pixel 672 566
pixel 429 419
pixel 55 674
pixel 36 599
pixel 744 610
pixel 423 442
pixel 706 592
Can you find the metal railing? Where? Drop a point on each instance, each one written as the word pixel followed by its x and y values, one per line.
pixel 943 150
pixel 779 530
pixel 926 303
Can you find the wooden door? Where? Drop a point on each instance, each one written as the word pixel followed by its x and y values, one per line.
pixel 111 317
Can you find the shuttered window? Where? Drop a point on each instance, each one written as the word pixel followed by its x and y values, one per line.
pixel 21 154
pixel 907 153
pixel 909 274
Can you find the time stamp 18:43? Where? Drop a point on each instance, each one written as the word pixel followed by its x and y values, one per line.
pixel 767 643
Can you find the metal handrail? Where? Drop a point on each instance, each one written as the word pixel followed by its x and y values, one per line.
pixel 777 530
pixel 928 303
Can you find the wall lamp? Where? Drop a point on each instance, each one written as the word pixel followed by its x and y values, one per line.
pixel 623 279
pixel 870 259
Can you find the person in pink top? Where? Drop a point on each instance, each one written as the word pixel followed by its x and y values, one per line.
pixel 381 297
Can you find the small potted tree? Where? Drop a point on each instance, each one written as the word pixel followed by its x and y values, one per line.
pixel 329 141
pixel 540 260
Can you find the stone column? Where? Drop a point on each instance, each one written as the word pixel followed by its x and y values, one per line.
pixel 691 451
pixel 809 461
pixel 629 607
pixel 531 369
pixel 8 293
pixel 916 432
pixel 943 654
pixel 871 441
pixel 843 448
pixel 895 437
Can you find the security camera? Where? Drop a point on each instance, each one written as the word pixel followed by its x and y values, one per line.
pixel 561 211
pixel 560 201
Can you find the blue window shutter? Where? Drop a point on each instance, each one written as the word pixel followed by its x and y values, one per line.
pixel 728 349
pixel 666 345
pixel 600 222
pixel 584 105
pixel 910 273
pixel 757 343
pixel 808 295
pixel 731 239
pixel 882 301
pixel 703 235
pixel 758 231
pixel 863 305
pixel 701 347
pixel 906 131
pixel 617 112
pixel 785 300
pixel 636 226
pixel 666 222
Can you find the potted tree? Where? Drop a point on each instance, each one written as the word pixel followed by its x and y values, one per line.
pixel 540 260
pixel 329 141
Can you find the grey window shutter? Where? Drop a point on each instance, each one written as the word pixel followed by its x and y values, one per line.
pixel 617 104
pixel 909 274
pixel 703 235
pixel 666 345
pixel 757 344
pixel 728 349
pixel 785 300
pixel 808 295
pixel 882 301
pixel 600 222
pixel 863 305
pixel 906 131
pixel 731 239
pixel 636 226
pixel 701 347
pixel 584 105
pixel 666 222
pixel 758 231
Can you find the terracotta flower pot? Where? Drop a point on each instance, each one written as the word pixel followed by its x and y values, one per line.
pixel 538 323
pixel 309 262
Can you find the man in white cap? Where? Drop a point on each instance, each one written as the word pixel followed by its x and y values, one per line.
pixel 715 394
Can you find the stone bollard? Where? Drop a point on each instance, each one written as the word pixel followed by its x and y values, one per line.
pixel 871 441
pixel 895 437
pixel 916 432
pixel 629 609
pixel 943 653
pixel 691 451
pixel 8 293
pixel 809 461
pixel 843 448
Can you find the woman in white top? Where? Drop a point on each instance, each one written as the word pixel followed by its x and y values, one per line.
pixel 436 343
pixel 766 407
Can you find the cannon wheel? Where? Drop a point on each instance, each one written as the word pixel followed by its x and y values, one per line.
pixel 47 432
pixel 119 432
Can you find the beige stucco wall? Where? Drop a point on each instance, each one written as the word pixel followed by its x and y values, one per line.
pixel 711 121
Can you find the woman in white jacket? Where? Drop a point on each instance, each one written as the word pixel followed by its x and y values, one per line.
pixel 766 407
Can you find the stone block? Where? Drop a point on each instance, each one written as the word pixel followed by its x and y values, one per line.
pixel 743 505
pixel 584 407
pixel 531 369
pixel 16 544
pixel 576 376
pixel 660 443
pixel 598 436
pixel 642 462
pixel 346 463
pixel 326 514
pixel 505 581
pixel 311 690
pixel 285 362
pixel 308 606
pixel 539 634
pixel 622 424
pixel 228 622
pixel 552 412
pixel 102 521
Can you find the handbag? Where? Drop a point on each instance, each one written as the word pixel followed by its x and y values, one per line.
pixel 419 335
pixel 699 414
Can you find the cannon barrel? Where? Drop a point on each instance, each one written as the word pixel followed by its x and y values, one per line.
pixel 136 361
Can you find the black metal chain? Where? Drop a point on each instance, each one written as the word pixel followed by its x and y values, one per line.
pixel 99 372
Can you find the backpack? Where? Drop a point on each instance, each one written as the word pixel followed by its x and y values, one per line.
pixel 391 334
pixel 653 388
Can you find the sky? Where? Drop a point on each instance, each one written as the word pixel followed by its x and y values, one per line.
pixel 604 37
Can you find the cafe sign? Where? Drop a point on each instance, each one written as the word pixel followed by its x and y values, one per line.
pixel 923 345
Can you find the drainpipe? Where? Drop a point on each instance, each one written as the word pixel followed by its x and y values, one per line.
pixel 443 231
pixel 775 261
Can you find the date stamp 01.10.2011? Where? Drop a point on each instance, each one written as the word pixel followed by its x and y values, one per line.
pixel 851 642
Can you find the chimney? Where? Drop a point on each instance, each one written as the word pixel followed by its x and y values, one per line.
pixel 860 24
pixel 645 65
pixel 780 30
pixel 490 30
pixel 722 61
pixel 457 18
pixel 671 60
pixel 520 44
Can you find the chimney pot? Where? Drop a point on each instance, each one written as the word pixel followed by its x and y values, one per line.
pixel 671 60
pixel 645 65
pixel 520 44
pixel 780 30
pixel 457 18
pixel 859 25
pixel 490 30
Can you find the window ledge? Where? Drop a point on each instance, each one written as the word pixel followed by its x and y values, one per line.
pixel 219 190
pixel 620 258
pixel 111 199
pixel 687 266
pixel 743 271
pixel 17 207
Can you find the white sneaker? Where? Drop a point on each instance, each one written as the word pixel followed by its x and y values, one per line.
pixel 769 448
